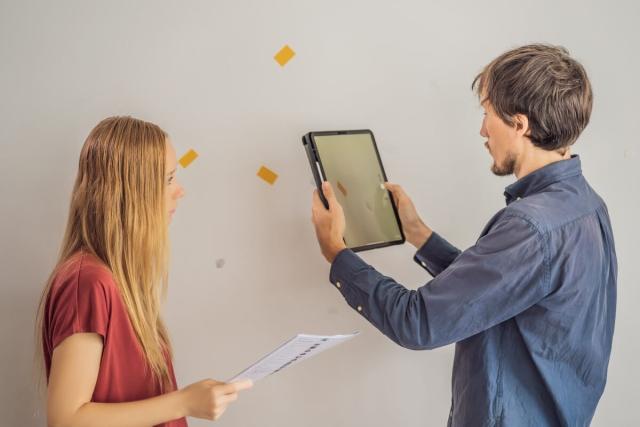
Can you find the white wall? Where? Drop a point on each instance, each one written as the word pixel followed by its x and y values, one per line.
pixel 203 70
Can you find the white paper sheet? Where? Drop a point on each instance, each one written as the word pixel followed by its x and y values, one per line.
pixel 295 350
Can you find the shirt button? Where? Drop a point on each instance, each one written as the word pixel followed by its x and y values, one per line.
pixel 338 285
pixel 360 308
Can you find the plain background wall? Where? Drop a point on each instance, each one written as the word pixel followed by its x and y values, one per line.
pixel 204 71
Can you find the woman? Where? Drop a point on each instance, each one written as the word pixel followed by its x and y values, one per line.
pixel 106 349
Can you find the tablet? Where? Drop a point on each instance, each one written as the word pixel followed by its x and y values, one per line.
pixel 350 161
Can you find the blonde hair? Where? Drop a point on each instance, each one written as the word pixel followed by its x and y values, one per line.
pixel 118 214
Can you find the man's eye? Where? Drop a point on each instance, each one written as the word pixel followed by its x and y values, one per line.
pixel 170 180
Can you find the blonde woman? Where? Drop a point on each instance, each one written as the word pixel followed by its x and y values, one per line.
pixel 106 350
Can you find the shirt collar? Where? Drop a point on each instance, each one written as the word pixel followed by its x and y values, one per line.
pixel 541 178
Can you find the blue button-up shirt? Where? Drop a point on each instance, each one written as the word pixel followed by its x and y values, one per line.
pixel 531 305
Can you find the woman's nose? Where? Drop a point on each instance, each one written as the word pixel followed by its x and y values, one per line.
pixel 180 193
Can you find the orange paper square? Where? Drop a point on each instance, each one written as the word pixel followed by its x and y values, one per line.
pixel 267 174
pixel 284 55
pixel 187 158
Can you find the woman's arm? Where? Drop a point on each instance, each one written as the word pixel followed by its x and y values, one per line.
pixel 74 372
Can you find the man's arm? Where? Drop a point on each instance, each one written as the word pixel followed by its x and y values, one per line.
pixel 502 275
pixel 436 254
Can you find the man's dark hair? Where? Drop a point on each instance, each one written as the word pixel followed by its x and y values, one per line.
pixel 543 83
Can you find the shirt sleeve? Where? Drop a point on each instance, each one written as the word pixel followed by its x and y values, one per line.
pixel 81 305
pixel 503 274
pixel 436 254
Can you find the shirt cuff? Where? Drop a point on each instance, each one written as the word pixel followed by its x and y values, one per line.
pixel 436 254
pixel 344 269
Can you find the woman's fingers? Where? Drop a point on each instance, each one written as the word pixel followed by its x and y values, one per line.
pixel 217 413
pixel 226 393
pixel 225 399
pixel 232 388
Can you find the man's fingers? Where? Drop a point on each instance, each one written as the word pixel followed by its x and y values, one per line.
pixel 327 190
pixel 394 188
pixel 396 191
pixel 317 206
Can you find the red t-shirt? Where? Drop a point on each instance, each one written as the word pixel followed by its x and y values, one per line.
pixel 85 298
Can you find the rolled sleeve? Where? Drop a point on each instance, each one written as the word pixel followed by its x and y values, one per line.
pixel 436 254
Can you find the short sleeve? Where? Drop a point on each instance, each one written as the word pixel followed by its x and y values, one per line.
pixel 80 304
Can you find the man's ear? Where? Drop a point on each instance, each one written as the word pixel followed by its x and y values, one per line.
pixel 521 123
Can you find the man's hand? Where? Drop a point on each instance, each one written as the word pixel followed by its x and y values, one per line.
pixel 416 231
pixel 329 223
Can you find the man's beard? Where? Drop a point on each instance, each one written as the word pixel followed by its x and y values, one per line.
pixel 507 167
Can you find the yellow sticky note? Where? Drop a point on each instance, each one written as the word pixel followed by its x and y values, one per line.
pixel 284 55
pixel 267 174
pixel 188 157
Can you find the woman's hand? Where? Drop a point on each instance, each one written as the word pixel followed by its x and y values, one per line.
pixel 416 231
pixel 208 399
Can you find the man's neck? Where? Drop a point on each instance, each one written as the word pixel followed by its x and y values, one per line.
pixel 534 158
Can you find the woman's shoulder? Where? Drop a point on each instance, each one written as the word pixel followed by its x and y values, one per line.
pixel 84 273
pixel 81 298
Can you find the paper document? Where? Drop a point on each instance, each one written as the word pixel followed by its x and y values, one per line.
pixel 298 348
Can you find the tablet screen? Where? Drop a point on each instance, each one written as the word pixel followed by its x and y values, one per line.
pixel 351 165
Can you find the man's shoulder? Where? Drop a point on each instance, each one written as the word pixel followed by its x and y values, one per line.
pixel 557 205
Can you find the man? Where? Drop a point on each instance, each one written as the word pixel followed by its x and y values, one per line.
pixel 531 305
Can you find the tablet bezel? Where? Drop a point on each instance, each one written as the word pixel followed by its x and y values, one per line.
pixel 316 163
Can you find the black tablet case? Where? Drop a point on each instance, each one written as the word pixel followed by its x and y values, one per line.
pixel 316 163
